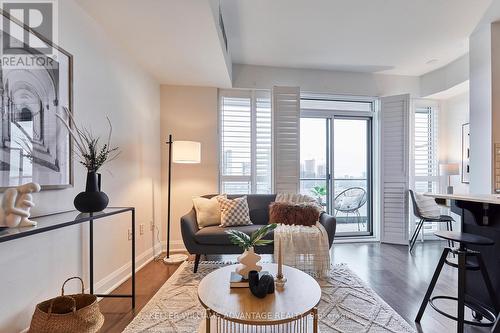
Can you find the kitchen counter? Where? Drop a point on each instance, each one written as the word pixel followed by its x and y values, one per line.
pixel 482 198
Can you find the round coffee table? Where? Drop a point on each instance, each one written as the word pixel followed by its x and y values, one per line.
pixel 233 310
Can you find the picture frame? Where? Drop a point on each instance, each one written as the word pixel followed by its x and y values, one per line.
pixel 35 146
pixel 465 178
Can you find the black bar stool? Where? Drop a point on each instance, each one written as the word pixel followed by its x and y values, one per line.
pixel 422 219
pixel 463 265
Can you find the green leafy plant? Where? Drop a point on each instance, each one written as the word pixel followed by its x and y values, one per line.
pixel 319 191
pixel 244 241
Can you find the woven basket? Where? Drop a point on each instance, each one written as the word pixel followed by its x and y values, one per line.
pixel 78 313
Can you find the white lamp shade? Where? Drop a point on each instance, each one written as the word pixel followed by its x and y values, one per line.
pixel 449 169
pixel 186 152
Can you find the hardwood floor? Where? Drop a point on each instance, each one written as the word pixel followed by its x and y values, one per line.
pixel 118 312
pixel 399 278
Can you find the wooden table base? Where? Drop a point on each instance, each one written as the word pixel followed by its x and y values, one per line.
pixel 216 324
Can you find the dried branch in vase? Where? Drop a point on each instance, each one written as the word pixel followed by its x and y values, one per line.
pixel 88 148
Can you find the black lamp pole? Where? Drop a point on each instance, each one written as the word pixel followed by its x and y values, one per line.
pixel 169 143
pixel 175 258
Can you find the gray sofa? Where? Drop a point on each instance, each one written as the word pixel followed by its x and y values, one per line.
pixel 214 240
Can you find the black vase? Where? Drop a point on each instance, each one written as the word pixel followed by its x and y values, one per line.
pixel 92 200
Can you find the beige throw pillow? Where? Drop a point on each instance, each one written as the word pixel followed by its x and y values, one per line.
pixel 207 211
pixel 234 212
pixel 427 206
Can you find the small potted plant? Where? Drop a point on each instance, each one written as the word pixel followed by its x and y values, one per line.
pixel 319 192
pixel 249 259
pixel 92 154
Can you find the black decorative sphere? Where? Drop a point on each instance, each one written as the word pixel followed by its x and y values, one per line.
pixel 260 287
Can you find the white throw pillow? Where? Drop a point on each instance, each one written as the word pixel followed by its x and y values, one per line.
pixel 207 211
pixel 234 212
pixel 427 206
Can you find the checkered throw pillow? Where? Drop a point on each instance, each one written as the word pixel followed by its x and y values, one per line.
pixel 234 212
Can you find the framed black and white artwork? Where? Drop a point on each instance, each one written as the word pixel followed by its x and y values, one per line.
pixel 35 85
pixel 466 153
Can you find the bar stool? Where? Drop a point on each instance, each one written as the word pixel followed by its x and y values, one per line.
pixel 479 312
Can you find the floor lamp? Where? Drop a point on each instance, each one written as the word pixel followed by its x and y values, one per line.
pixel 187 152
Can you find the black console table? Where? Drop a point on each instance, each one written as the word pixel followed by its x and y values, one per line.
pixel 65 219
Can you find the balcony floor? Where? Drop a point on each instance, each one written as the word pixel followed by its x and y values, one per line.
pixel 350 224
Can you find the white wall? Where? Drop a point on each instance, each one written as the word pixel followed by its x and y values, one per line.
pixel 106 82
pixel 480 110
pixel 189 113
pixel 323 81
pixel 495 100
pixel 454 112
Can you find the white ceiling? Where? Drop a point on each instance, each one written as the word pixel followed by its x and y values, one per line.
pixel 405 37
pixel 176 41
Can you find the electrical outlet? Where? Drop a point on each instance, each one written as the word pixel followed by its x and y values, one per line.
pixel 129 234
pixel 141 229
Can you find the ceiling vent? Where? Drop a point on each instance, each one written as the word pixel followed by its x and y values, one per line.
pixel 222 28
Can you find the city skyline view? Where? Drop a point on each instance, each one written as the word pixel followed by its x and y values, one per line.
pixel 349 151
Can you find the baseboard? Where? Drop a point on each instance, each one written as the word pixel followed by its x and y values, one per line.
pixel 116 278
pixel 176 246
pixel 369 239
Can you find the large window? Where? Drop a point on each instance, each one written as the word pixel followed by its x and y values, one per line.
pixel 245 141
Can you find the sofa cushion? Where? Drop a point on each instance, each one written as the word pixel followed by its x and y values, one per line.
pixel 216 235
pixel 306 214
pixel 234 212
pixel 259 207
pixel 207 211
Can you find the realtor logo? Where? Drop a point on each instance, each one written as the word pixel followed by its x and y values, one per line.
pixel 39 16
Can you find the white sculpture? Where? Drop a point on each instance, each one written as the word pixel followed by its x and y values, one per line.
pixel 16 205
pixel 248 262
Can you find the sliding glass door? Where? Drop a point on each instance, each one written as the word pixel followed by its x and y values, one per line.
pixel 336 166
pixel 352 175
pixel 314 159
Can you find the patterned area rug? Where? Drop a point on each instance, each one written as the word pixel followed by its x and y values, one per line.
pixel 347 305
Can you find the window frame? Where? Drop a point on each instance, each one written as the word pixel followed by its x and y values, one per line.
pixel 434 106
pixel 331 115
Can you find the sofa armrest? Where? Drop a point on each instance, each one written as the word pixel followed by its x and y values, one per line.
pixel 189 227
pixel 330 224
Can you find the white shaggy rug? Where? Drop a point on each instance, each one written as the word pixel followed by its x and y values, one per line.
pixel 347 305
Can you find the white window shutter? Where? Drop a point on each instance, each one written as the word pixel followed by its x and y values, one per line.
pixel 245 141
pixel 394 153
pixel 286 139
